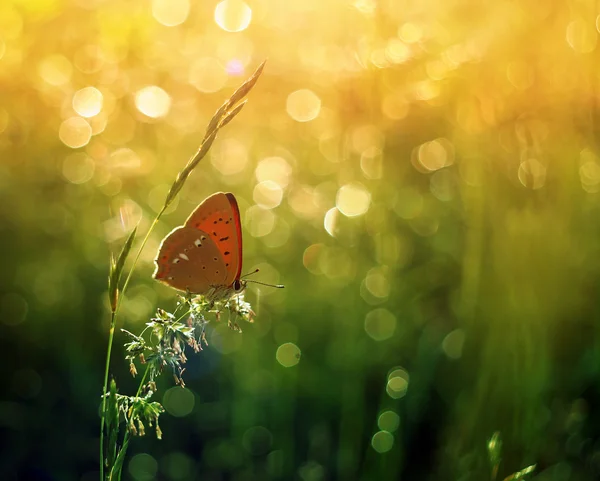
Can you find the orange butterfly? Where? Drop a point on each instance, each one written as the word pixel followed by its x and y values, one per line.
pixel 204 256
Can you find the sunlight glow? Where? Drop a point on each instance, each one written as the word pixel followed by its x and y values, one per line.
pixel 75 132
pixel 267 194
pixel 353 199
pixel 170 12
pixel 153 101
pixel 207 75
pixel 233 15
pixel 87 102
pixel 303 105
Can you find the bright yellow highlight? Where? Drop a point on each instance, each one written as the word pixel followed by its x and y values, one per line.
pixel 75 132
pixel 330 221
pixel 353 199
pixel 87 102
pixel 78 168
pixel 55 70
pixel 288 354
pixel 380 324
pixel 207 75
pixel 233 15
pixel 397 383
pixel 170 12
pixel 303 105
pixel 178 401
pixel 268 194
pixel 382 441
pixel 276 169
pixel 388 421
pixel 153 101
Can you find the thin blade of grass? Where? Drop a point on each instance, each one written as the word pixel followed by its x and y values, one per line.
pixel 115 472
pixel 521 474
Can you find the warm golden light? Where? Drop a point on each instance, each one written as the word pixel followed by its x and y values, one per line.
pixel 78 168
pixel 55 69
pixel 267 194
pixel 276 169
pixel 87 102
pixel 330 221
pixel 229 157
pixel 233 15
pixel 153 101
pixel 207 75
pixel 259 221
pixel 582 36
pixel 170 13
pixel 303 105
pixel 75 132
pixel 353 199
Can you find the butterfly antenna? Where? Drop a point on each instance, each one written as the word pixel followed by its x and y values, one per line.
pixel 250 273
pixel 277 286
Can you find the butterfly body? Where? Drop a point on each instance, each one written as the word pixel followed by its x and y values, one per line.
pixel 204 256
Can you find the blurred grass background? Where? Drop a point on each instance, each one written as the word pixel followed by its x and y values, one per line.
pixel 422 176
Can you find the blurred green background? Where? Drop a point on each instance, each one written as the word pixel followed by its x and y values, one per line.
pixel 422 176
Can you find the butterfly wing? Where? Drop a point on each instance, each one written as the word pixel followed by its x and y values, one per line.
pixel 189 260
pixel 219 217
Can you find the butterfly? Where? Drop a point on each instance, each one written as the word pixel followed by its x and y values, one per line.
pixel 204 256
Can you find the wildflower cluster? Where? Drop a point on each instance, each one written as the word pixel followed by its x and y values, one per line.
pixel 162 346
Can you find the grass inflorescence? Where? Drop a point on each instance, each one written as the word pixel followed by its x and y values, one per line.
pixel 169 333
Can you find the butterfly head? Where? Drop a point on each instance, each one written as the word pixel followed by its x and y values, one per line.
pixel 239 285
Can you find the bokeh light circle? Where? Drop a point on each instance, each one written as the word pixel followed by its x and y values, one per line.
pixel 397 384
pixel 78 168
pixel 233 15
pixel 207 75
pixel 88 101
pixel 170 13
pixel 143 467
pixel 382 441
pixel 178 401
pixel 353 199
pixel 75 132
pixel 388 421
pixel 288 354
pixel 303 105
pixel 267 194
pixel 380 324
pixel 153 101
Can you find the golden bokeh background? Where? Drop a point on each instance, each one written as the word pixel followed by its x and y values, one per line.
pixel 422 176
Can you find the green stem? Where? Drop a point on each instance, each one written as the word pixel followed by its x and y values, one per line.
pixel 111 335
